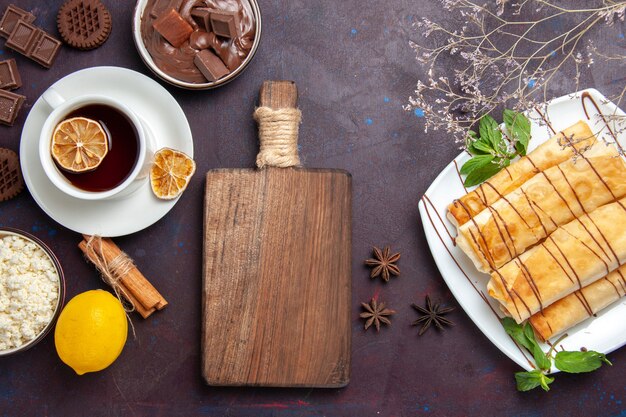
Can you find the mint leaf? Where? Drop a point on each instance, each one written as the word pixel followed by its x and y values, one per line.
pixel 482 147
pixel 516 331
pixel 577 362
pixel 541 359
pixel 526 337
pixel 490 131
pixel 518 127
pixel 476 162
pixel 483 173
pixel 533 379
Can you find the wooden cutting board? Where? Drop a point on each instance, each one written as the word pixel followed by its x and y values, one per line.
pixel 277 272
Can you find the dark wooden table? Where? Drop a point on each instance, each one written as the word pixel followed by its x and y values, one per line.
pixel 355 70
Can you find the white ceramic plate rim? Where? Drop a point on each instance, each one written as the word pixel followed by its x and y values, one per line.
pixel 120 216
pixel 603 333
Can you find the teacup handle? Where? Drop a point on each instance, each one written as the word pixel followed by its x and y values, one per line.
pixel 53 98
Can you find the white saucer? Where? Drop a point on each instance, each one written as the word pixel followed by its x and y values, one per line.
pixel 154 104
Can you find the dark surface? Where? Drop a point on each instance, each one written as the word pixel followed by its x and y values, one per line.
pixel 354 68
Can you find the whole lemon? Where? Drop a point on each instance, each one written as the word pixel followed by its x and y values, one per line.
pixel 91 331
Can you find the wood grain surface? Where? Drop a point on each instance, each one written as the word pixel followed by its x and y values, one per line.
pixel 277 275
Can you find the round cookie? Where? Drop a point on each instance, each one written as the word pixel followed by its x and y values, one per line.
pixel 84 24
pixel 11 181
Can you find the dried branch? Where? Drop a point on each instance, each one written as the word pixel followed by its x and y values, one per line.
pixel 506 58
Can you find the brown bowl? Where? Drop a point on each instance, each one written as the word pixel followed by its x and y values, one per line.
pixel 147 58
pixel 7 231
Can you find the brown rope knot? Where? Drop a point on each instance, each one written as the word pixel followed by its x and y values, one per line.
pixel 278 136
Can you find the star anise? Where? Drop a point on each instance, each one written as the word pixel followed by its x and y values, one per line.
pixel 432 315
pixel 383 263
pixel 376 313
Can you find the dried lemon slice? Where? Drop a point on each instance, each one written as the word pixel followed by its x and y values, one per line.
pixel 170 173
pixel 79 144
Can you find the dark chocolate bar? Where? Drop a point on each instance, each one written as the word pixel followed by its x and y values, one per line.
pixel 12 15
pixel 210 65
pixel 10 105
pixel 225 24
pixel 9 75
pixel 34 43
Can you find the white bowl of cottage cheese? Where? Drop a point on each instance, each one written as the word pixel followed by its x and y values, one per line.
pixel 32 290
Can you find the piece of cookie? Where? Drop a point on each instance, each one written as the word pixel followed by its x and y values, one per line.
pixel 11 181
pixel 84 24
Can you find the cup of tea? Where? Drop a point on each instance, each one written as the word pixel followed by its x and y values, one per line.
pixel 125 164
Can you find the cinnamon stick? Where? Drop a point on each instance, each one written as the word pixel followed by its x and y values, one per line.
pixel 133 282
pixel 94 258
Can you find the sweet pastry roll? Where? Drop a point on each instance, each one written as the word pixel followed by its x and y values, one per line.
pixel 557 149
pixel 572 257
pixel 550 199
pixel 582 304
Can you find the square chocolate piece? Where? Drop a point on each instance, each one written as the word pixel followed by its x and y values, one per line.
pixel 9 75
pixel 225 24
pixel 10 104
pixel 161 6
pixel 210 65
pixel 45 50
pixel 173 27
pixel 12 15
pixel 23 37
pixel 202 17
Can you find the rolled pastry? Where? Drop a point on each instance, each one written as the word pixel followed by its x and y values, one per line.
pixel 573 309
pixel 572 257
pixel 548 154
pixel 550 199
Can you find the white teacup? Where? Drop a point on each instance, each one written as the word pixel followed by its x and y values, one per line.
pixel 61 108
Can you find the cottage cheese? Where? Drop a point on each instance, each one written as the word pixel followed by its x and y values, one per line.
pixel 29 287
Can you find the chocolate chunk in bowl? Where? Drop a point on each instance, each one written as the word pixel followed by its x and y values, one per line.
pixel 178 65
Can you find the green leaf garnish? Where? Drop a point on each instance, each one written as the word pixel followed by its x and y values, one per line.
pixel 476 162
pixel 489 130
pixel 526 337
pixel 482 174
pixel 518 127
pixel 572 362
pixel 576 362
pixel 490 150
pixel 516 331
pixel 533 379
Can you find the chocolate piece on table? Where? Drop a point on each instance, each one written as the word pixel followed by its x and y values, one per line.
pixel 10 104
pixel 9 75
pixel 84 24
pixel 225 24
pixel 210 65
pixel 202 17
pixel 23 37
pixel 12 15
pixel 161 6
pixel 173 27
pixel 45 50
pixel 34 43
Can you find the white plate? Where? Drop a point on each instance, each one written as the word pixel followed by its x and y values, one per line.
pixel 603 333
pixel 169 127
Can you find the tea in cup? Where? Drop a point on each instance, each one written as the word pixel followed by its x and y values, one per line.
pixel 93 147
